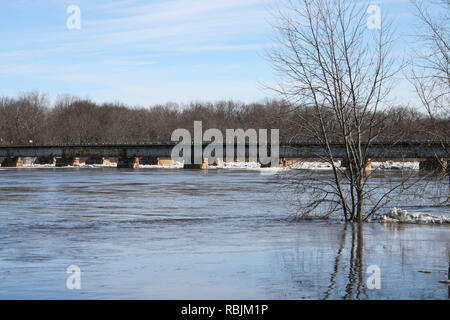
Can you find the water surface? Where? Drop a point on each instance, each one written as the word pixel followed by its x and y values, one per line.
pixel 181 234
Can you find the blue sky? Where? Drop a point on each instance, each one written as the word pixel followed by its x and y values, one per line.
pixel 143 52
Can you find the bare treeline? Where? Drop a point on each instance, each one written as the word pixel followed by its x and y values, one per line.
pixel 30 119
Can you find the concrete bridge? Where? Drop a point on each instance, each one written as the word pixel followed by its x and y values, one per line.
pixel 431 155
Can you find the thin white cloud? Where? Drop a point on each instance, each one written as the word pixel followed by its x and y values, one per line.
pixel 162 26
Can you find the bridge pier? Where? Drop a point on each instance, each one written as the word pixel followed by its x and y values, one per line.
pixel 12 162
pixel 164 162
pixel 434 164
pixel 368 166
pixel 67 161
pixel 203 166
pixel 128 162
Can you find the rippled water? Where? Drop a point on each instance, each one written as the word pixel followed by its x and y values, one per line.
pixel 181 234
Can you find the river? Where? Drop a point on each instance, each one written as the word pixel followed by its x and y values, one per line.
pixel 187 234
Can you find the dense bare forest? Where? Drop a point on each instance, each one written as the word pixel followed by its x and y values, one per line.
pixel 31 119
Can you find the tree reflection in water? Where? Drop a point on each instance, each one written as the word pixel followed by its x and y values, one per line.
pixel 355 287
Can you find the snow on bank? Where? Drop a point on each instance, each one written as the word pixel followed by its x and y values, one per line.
pixel 402 216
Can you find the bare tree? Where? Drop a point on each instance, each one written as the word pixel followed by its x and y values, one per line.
pixel 431 72
pixel 73 120
pixel 22 120
pixel 431 63
pixel 340 70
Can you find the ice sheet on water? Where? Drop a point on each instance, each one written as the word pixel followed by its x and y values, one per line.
pixel 402 216
pixel 396 165
pixel 313 165
pixel 386 165
pixel 242 165
pixel 176 165
pixel 252 165
pixel 110 165
pixel 38 166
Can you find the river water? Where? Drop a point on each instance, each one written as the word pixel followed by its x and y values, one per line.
pixel 187 234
